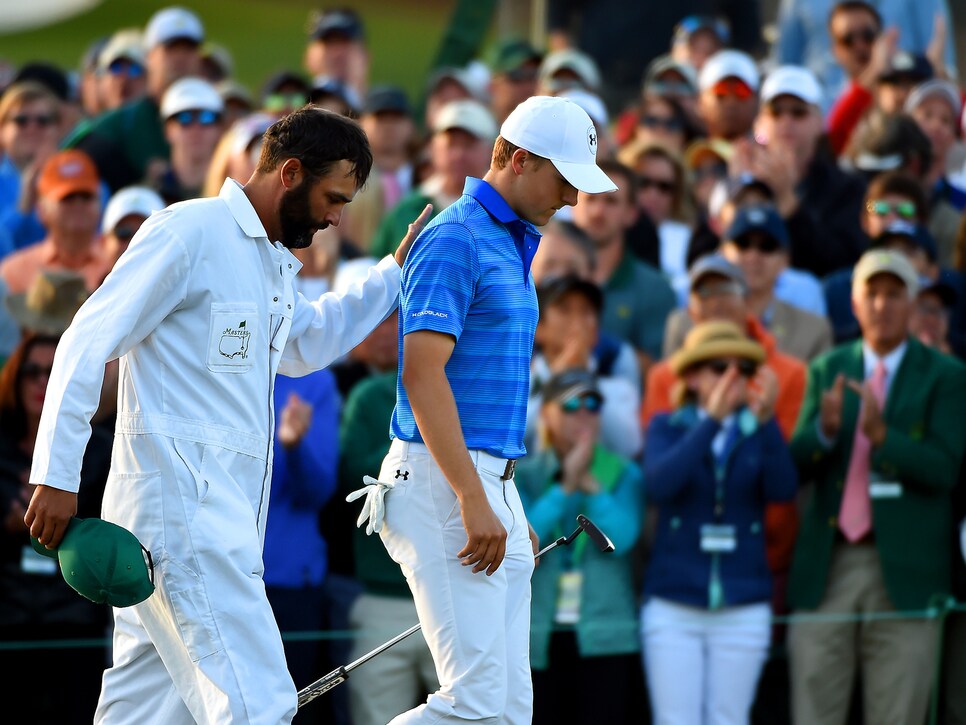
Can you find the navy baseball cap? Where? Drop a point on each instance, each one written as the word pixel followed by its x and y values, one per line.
pixel 903 65
pixel 103 562
pixel 341 21
pixel 761 218
pixel 917 234
pixel 387 98
pixel 943 290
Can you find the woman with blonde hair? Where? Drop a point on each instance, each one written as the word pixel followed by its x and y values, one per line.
pixel 711 466
pixel 664 196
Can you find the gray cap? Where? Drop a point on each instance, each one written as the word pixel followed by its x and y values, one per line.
pixel 715 264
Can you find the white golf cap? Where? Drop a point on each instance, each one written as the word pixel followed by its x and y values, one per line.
pixel 729 64
pixel 590 102
pixel 173 23
pixel 792 80
pixel 935 88
pixel 569 59
pixel 559 130
pixel 191 94
pixel 470 116
pixel 130 200
pixel 127 44
pixel 884 261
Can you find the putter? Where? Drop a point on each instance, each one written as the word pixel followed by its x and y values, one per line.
pixel 341 674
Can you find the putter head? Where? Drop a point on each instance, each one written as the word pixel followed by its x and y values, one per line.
pixel 596 535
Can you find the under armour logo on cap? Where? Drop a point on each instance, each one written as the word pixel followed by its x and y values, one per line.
pixel 592 140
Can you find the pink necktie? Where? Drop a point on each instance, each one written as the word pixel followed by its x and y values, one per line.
pixel 855 516
pixel 391 190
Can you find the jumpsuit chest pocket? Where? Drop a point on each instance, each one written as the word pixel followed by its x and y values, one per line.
pixel 232 336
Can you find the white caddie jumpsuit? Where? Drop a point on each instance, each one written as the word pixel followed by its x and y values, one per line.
pixel 202 312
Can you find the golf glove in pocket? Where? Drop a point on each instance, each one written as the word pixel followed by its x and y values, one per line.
pixel 373 507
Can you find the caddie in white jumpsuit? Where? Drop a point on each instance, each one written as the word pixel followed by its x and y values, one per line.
pixel 202 312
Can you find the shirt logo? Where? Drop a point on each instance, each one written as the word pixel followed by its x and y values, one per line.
pixel 404 475
pixel 592 140
pixel 434 313
pixel 234 342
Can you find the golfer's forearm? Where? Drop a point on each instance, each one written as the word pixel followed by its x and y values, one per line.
pixel 437 418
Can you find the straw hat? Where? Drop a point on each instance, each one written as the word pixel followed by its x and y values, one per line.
pixel 50 303
pixel 712 340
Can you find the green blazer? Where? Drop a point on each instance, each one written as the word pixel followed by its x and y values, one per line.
pixel 922 451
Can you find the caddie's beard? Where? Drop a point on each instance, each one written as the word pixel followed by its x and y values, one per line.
pixel 298 226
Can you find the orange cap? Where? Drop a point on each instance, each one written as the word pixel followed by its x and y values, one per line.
pixel 68 172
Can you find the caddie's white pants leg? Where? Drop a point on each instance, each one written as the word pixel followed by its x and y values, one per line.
pixel 477 626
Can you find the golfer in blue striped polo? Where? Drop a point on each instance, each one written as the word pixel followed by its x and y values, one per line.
pixel 468 310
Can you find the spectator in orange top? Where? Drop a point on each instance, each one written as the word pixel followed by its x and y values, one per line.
pixel 68 204
pixel 718 293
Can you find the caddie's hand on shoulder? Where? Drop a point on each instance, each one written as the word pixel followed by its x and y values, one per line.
pixel 414 230
pixel 48 514
pixel 485 535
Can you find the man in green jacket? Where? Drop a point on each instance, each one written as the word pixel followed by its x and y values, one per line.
pixel 881 434
pixel 128 144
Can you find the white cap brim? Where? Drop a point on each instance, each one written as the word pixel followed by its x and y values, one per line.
pixel 587 178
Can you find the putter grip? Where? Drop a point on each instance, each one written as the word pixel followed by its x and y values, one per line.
pixel 320 687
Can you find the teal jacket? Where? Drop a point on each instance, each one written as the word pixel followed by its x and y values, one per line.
pixel 608 623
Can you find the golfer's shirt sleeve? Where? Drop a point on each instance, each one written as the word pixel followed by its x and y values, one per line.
pixel 439 280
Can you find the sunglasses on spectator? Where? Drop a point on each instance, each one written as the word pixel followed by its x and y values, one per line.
pixel 282 101
pixel 668 124
pixel 122 67
pixel 718 170
pixel 746 368
pixel 590 403
pixel 662 185
pixel 32 371
pixel 764 244
pixel 732 87
pixel 125 234
pixel 866 36
pixel 798 111
pixel 22 120
pixel 204 118
pixel 881 207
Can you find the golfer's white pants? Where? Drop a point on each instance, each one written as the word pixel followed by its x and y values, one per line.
pixel 477 626
pixel 703 666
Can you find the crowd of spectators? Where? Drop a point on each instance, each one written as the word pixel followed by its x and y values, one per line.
pixel 748 368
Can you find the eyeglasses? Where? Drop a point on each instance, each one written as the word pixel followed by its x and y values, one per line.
pixel 591 403
pixel 764 244
pixel 798 111
pixel 866 36
pixel 282 101
pixel 746 368
pixel 122 66
pixel 22 120
pixel 668 124
pixel 33 371
pixel 718 170
pixel 732 87
pixel 881 207
pixel 204 118
pixel 125 234
pixel 662 185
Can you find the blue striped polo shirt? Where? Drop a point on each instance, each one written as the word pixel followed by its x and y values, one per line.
pixel 468 275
